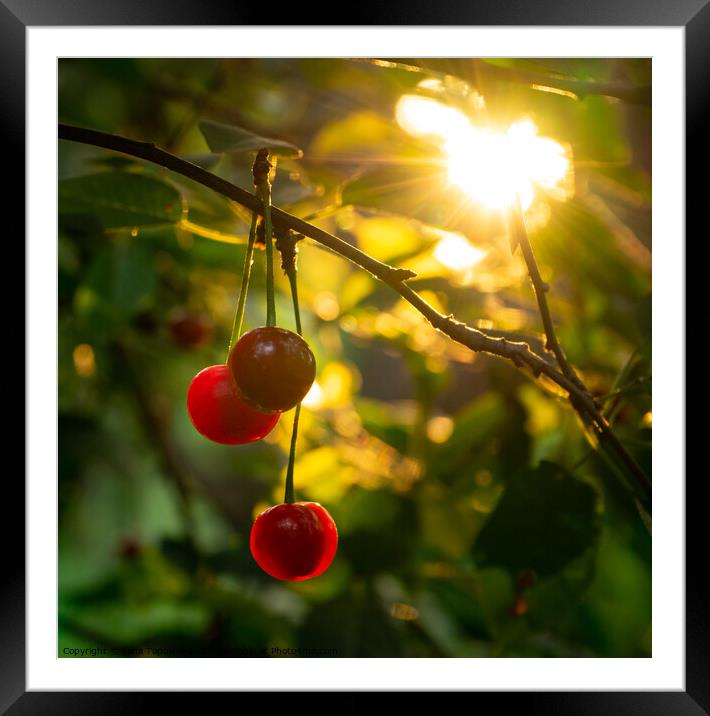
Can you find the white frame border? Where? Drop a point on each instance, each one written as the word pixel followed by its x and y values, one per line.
pixel 665 670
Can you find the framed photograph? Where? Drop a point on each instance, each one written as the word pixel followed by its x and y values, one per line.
pixel 339 354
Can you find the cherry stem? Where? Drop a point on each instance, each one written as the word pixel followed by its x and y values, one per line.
pixel 289 497
pixel 265 192
pixel 294 294
pixel 246 276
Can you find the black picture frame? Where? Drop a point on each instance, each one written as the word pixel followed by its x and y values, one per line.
pixel 17 15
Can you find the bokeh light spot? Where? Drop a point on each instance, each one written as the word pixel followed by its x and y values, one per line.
pixel 84 360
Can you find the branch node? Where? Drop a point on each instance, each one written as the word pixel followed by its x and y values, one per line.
pixel 260 239
pixel 261 167
pixel 399 275
pixel 286 244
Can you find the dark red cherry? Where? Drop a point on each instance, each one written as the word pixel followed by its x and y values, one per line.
pixel 188 329
pixel 273 368
pixel 295 541
pixel 129 548
pixel 218 411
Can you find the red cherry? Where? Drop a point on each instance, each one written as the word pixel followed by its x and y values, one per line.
pixel 129 548
pixel 219 413
pixel 189 330
pixel 295 541
pixel 273 368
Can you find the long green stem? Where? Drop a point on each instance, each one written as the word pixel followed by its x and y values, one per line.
pixel 289 492
pixel 265 192
pixel 289 497
pixel 246 275
pixel 294 294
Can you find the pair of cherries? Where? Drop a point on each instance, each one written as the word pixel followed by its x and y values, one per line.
pixel 269 370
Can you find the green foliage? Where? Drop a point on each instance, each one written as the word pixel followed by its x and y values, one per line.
pixel 120 200
pixel 223 138
pixel 555 520
pixel 448 474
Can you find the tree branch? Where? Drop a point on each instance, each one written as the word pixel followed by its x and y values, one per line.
pixel 589 406
pixel 520 238
pixel 519 353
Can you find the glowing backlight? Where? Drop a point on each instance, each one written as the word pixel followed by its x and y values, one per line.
pixel 492 167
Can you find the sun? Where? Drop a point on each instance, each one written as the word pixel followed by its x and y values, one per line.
pixel 492 167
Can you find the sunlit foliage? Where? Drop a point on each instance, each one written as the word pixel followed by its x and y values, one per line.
pixel 425 454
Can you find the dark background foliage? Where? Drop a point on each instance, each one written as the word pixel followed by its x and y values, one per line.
pixel 475 518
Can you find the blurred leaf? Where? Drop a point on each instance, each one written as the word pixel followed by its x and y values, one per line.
pixel 352 626
pixel 115 162
pixel 473 426
pixel 205 160
pixel 400 190
pixel 448 526
pixel 551 600
pixel 388 237
pixel 545 519
pixel 121 277
pixel 614 617
pixel 378 531
pixel 124 624
pixel 223 138
pixel 121 199
pixel 461 600
pixel 359 136
pixel 181 553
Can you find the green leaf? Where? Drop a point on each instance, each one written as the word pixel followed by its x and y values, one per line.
pixel 424 194
pixel 474 429
pixel 206 160
pixel 223 138
pixel 122 278
pixel 120 624
pixel 121 199
pixel 398 190
pixel 378 531
pixel 545 519
pixel 355 625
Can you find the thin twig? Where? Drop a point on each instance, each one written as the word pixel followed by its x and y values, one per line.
pixel 520 238
pixel 589 406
